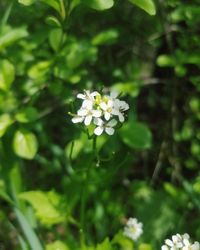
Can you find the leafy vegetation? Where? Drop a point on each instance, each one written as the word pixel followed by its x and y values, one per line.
pixel 59 188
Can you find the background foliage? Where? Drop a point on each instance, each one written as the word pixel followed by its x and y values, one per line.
pixel 52 50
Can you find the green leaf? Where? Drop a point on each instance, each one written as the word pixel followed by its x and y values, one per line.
pixel 57 245
pixel 25 144
pixel 53 21
pixel 146 5
pixel 74 4
pixel 99 4
pixel 55 38
pixel 3 193
pixel 28 114
pixel 11 36
pixel 47 206
pixel 144 246
pixel 7 74
pixel 55 4
pixel 105 245
pixel 15 182
pixel 5 122
pixel 26 2
pixel 105 37
pixel 39 70
pixel 127 88
pixel 31 237
pixel 136 135
pixel 52 3
pixel 166 61
pixel 123 241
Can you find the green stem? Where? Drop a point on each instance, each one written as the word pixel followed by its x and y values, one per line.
pixel 95 145
pixel 84 196
pixel 82 217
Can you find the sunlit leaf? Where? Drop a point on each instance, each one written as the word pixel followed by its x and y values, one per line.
pixel 144 246
pixel 39 70
pixel 166 61
pixel 11 35
pixel 105 37
pixel 5 122
pixel 57 245
pixel 53 21
pixel 26 2
pixel 7 74
pixel 123 241
pixel 47 206
pixel 25 144
pixel 146 5
pixel 105 245
pixel 99 4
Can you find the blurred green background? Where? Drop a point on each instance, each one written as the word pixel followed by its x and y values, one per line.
pixel 52 50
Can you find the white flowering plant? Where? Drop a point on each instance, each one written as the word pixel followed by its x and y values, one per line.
pixel 133 229
pixel 179 241
pixel 104 112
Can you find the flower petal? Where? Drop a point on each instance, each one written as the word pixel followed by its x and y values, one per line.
pixel 94 93
pixel 109 130
pixel 77 119
pixel 98 130
pixel 113 123
pixel 114 94
pixel 164 247
pixel 115 111
pixel 97 113
pixel 98 122
pixel 88 104
pixel 107 115
pixel 110 103
pixel 169 243
pixel 81 96
pixel 121 117
pixel 82 112
pixel 103 106
pixel 88 120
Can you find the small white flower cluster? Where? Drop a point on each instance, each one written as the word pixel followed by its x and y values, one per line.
pixel 133 229
pixel 180 242
pixel 103 110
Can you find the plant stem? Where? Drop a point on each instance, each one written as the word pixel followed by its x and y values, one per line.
pixel 84 195
pixel 95 146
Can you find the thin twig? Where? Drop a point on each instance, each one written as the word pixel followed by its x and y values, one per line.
pixel 158 166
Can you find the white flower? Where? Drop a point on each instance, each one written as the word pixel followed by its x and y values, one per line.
pixel 107 108
pixel 133 229
pixel 189 246
pixel 88 98
pixel 101 126
pixel 176 242
pixel 180 242
pixel 119 108
pixel 77 119
pixel 164 247
pixel 86 115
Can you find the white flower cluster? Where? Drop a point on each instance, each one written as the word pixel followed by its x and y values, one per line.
pixel 105 111
pixel 133 229
pixel 180 242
